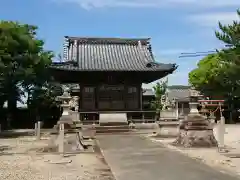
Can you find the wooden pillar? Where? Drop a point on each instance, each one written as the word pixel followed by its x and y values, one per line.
pixel 80 97
pixel 96 98
pixel 125 93
pixel 140 99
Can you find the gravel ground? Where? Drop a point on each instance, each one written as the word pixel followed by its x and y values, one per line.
pixel 18 161
pixel 53 167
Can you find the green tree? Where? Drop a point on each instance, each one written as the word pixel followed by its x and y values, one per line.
pixel 23 62
pixel 217 74
pixel 207 77
pixel 230 36
pixel 160 91
pixel 43 100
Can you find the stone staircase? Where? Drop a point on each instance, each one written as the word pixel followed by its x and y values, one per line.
pixel 112 123
pixel 112 128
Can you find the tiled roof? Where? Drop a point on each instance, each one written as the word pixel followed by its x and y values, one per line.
pixel 111 54
pixel 181 93
pixel 178 92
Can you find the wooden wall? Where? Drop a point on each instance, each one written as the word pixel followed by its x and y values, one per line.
pixel 114 97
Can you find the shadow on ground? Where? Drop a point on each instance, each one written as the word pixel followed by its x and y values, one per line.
pixel 5 148
pixel 15 134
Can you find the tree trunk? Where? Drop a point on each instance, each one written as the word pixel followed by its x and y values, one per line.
pixel 12 105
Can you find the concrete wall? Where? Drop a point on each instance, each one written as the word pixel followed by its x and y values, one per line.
pixel 168 114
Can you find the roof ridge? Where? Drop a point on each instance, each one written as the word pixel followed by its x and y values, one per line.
pixel 111 40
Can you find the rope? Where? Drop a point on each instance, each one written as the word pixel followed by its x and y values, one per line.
pixel 214 110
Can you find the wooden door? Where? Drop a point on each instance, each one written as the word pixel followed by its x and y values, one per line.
pixel 88 98
pixel 111 97
pixel 132 98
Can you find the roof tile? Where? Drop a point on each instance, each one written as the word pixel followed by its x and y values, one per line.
pixel 112 54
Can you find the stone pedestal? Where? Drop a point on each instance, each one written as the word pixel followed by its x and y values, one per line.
pixel 66 120
pixel 195 130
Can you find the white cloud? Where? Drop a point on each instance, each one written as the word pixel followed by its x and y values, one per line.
pixel 212 19
pixel 89 4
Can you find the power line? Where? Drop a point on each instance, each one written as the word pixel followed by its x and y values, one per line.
pixel 197 54
pixel 193 55
pixel 202 52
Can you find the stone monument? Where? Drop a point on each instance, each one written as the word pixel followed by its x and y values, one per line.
pixel 195 130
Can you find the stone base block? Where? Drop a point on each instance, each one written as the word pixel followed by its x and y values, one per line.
pixel 196 138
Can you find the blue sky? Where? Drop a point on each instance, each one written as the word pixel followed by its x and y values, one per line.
pixel 175 26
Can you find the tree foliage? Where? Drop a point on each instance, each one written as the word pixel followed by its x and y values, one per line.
pixel 159 90
pixel 23 65
pixel 206 77
pixel 230 36
pixel 43 99
pixel 218 74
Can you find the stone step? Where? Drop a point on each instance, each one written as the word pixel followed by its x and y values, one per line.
pixel 86 122
pixel 108 131
pixel 197 123
pixel 113 123
pixel 112 127
pixel 142 121
pixel 200 128
pixel 104 123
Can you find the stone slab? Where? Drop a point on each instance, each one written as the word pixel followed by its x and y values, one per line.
pixel 112 118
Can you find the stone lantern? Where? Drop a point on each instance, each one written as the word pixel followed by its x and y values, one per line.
pixel 66 117
pixel 195 130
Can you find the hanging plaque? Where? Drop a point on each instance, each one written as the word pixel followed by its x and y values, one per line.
pixel 111 88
